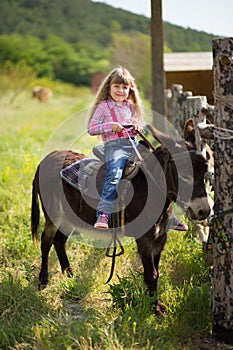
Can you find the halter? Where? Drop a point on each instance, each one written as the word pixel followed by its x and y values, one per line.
pixel 175 157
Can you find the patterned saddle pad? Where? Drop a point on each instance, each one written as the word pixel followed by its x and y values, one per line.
pixel 86 175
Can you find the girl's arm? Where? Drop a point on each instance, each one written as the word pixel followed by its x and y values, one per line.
pixel 100 122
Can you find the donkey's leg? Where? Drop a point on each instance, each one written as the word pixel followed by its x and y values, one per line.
pixel 150 254
pixel 59 243
pixel 159 307
pixel 150 272
pixel 46 243
pixel 145 250
pixel 151 275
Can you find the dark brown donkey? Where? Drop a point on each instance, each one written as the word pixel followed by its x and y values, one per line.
pixel 172 172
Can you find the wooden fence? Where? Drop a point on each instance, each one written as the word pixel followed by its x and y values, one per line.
pixel 180 107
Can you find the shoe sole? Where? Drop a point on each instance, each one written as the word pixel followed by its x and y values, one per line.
pixel 101 227
pixel 179 229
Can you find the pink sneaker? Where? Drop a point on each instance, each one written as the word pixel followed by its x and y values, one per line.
pixel 178 226
pixel 102 222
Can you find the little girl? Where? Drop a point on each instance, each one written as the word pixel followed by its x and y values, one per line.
pixel 116 115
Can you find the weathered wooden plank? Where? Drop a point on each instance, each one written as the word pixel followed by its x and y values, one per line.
pixel 222 272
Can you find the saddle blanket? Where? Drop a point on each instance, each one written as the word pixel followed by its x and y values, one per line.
pixel 82 175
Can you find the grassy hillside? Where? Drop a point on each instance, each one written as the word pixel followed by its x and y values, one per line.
pixel 82 312
pixel 73 40
pixel 72 20
pixel 78 21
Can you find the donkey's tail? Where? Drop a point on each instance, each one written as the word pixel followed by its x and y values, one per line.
pixel 35 212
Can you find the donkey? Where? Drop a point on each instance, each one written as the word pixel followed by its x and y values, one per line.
pixel 173 172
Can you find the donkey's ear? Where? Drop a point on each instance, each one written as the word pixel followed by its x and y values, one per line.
pixel 162 138
pixel 189 132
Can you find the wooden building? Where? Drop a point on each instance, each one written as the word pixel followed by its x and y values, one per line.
pixel 193 70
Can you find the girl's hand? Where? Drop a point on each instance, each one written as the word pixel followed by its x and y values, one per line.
pixel 117 127
pixel 136 128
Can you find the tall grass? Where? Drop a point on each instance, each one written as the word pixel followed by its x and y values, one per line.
pixel 83 312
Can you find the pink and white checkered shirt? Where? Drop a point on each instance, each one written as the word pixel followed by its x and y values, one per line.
pixel 101 121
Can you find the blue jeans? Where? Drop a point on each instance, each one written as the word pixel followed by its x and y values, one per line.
pixel 117 153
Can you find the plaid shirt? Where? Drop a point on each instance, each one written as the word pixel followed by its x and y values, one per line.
pixel 101 121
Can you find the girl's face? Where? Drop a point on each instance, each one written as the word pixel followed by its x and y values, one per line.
pixel 119 92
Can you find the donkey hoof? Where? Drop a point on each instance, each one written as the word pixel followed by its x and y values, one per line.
pixel 68 270
pixel 42 286
pixel 159 308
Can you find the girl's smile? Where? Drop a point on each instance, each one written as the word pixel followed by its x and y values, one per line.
pixel 119 92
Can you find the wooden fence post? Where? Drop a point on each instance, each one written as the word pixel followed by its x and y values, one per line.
pixel 222 272
pixel 199 116
pixel 179 99
pixel 177 91
pixel 195 108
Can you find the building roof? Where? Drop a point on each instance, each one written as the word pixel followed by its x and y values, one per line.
pixel 188 61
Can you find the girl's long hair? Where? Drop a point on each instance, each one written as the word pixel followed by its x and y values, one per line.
pixel 118 75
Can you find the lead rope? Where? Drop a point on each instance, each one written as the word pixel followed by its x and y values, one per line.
pixel 119 220
pixel 147 170
pixel 115 241
pixel 116 223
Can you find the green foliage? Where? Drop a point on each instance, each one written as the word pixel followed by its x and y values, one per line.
pixel 133 51
pixel 78 21
pixel 83 312
pixel 179 39
pixel 73 40
pixel 14 79
pixel 52 57
pixel 29 50
pixel 73 20
pixel 125 296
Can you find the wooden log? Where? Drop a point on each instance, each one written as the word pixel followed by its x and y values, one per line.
pixel 179 114
pixel 222 272
pixel 196 105
pixel 177 91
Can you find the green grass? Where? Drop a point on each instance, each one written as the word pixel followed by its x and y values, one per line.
pixel 83 312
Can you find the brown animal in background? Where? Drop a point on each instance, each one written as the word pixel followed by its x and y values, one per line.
pixel 42 94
